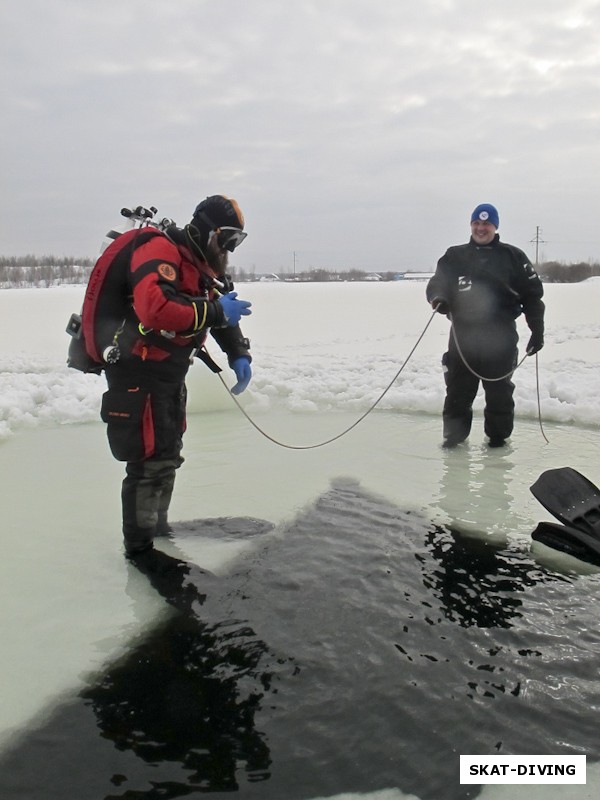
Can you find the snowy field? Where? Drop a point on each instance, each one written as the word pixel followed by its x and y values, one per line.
pixel 323 355
pixel 317 348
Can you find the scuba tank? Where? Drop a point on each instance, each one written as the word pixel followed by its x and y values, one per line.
pixel 95 330
pixel 132 217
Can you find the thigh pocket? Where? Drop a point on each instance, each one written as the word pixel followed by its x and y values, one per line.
pixel 130 425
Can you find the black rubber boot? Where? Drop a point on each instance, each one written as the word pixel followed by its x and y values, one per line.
pixel 145 496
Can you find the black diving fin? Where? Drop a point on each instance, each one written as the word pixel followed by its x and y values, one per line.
pixel 568 540
pixel 575 502
pixel 570 497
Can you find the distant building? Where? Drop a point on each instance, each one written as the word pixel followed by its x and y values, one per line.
pixel 417 276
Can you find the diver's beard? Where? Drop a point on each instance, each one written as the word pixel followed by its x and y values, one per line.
pixel 217 260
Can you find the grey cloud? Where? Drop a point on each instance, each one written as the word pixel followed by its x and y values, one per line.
pixel 325 120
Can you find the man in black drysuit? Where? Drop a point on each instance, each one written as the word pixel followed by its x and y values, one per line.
pixel 483 286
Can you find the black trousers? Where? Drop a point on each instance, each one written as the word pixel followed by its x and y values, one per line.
pixel 145 420
pixel 490 352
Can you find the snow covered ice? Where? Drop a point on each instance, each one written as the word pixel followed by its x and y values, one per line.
pixel 323 354
pixel 317 348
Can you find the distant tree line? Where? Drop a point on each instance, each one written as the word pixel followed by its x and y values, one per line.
pixel 559 272
pixel 320 275
pixel 549 271
pixel 42 271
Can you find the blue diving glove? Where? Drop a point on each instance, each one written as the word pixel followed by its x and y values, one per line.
pixel 233 308
pixel 243 373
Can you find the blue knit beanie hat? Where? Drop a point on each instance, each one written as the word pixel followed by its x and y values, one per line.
pixel 485 212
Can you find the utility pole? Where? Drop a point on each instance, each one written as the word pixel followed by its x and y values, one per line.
pixel 294 263
pixel 538 241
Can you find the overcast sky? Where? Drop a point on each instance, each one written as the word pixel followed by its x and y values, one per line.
pixel 353 133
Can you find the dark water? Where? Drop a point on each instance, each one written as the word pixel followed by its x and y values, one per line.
pixel 361 648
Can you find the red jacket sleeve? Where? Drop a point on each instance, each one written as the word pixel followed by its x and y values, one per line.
pixel 160 300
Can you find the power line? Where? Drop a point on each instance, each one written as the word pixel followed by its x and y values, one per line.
pixel 538 241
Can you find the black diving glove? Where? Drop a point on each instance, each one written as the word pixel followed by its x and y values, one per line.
pixel 440 305
pixel 535 343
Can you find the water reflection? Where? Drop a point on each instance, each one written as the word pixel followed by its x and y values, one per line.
pixel 475 576
pixel 476 483
pixel 189 692
pixel 392 647
pixel 476 582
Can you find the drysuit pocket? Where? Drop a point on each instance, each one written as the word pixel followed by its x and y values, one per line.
pixel 129 421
